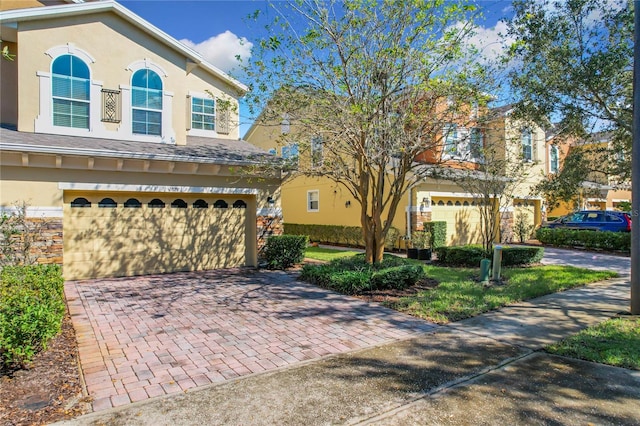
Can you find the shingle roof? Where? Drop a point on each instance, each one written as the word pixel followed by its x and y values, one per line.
pixel 198 149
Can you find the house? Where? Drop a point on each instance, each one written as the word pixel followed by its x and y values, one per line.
pixel 319 200
pixel 126 144
pixel 600 190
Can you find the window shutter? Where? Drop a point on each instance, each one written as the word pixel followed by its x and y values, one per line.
pixel 222 118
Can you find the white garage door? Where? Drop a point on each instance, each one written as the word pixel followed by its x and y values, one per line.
pixel 108 235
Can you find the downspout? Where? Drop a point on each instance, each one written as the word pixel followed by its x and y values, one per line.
pixel 409 209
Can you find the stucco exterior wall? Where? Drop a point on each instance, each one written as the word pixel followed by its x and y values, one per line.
pixel 114 45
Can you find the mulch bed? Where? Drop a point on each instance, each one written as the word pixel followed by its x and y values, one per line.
pixel 390 296
pixel 47 390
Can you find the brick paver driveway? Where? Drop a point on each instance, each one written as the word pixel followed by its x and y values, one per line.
pixel 143 337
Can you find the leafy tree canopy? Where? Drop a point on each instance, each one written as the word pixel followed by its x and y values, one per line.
pixel 376 82
pixel 572 61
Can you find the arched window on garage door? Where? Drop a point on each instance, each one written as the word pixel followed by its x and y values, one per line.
pixel 80 202
pixel 107 203
pixel 239 204
pixel 220 204
pixel 179 204
pixel 132 203
pixel 200 204
pixel 156 203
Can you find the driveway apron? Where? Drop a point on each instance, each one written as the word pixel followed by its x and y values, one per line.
pixel 144 337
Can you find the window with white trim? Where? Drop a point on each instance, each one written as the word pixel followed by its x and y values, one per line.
pixel 476 144
pixel 527 145
pixel 146 103
pixel 70 86
pixel 554 160
pixel 313 201
pixel 316 151
pixel 203 113
pixel 450 133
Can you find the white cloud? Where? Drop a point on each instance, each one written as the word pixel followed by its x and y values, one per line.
pixel 221 50
pixel 491 42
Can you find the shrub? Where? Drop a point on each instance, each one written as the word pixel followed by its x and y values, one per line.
pixel 332 234
pixel 421 239
pixel 399 277
pixel 350 282
pixel 516 256
pixel 31 310
pixel 471 255
pixel 337 234
pixel 284 251
pixel 438 233
pixel 604 240
pixel 522 228
pixel 353 275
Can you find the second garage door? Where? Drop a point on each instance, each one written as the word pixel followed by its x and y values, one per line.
pixel 108 235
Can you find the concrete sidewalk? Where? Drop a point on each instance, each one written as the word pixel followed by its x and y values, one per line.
pixel 484 370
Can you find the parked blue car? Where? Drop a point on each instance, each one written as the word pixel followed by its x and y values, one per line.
pixel 594 220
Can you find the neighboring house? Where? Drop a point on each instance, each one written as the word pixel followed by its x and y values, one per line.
pixel 599 191
pixel 126 143
pixel 311 200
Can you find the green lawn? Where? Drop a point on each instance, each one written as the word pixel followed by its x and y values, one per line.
pixel 615 342
pixel 459 295
pixel 326 255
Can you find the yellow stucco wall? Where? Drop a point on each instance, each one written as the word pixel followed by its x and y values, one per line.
pixel 114 44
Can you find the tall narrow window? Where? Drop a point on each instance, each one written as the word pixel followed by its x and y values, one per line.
pixel 313 201
pixel 527 145
pixel 554 162
pixel 70 92
pixel 316 151
pixel 203 114
pixel 146 103
pixel 450 139
pixel 476 144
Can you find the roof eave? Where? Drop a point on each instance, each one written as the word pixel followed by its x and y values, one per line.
pixel 32 14
pixel 83 152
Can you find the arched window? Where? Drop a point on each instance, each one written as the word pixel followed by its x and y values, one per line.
pixel 200 204
pixel 220 204
pixel 70 92
pixel 239 204
pixel 156 203
pixel 107 202
pixel 146 103
pixel 466 203
pixel 458 203
pixel 132 203
pixel 179 204
pixel 449 203
pixel 80 202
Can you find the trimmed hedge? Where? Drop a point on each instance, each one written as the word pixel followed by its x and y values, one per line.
pixel 338 234
pixel 471 255
pixel 31 310
pixel 603 240
pixel 284 251
pixel 438 233
pixel 352 275
pixel 399 277
pixel 461 255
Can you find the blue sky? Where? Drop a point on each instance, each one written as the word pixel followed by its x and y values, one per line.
pixel 218 29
